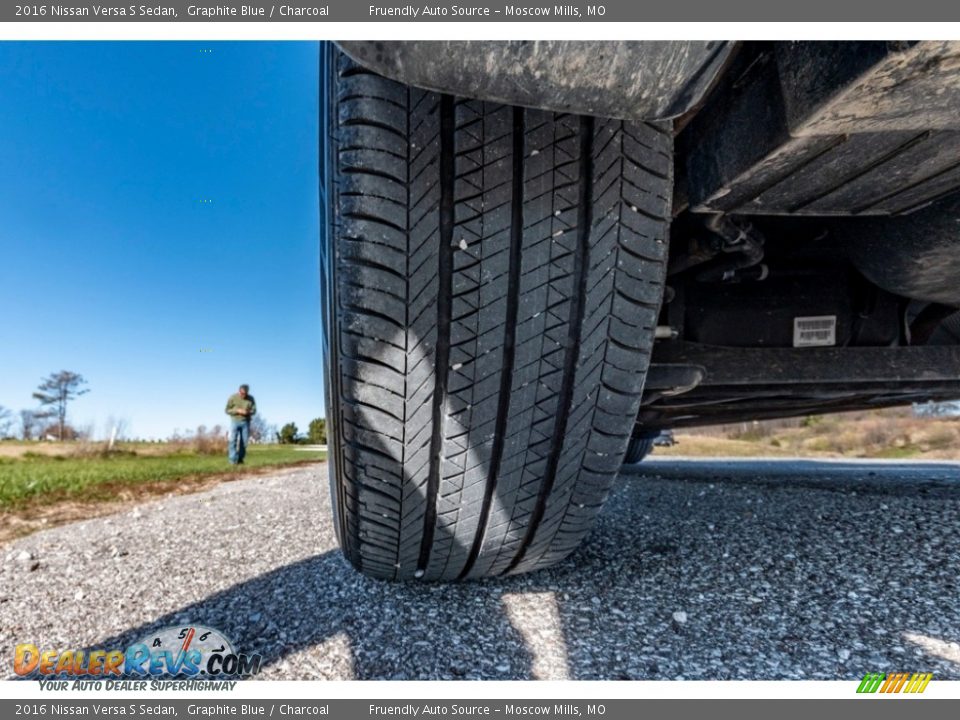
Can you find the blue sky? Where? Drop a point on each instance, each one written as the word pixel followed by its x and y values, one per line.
pixel 159 228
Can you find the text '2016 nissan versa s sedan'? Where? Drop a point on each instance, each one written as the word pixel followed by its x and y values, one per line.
pixel 539 255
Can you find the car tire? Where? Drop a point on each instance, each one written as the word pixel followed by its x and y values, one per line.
pixel 637 450
pixel 492 280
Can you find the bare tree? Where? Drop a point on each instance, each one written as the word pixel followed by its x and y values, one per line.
pixel 261 430
pixel 29 424
pixel 6 422
pixel 55 392
pixel 116 427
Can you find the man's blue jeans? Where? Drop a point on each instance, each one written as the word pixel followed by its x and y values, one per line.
pixel 239 437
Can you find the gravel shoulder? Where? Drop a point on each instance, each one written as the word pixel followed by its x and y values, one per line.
pixel 698 569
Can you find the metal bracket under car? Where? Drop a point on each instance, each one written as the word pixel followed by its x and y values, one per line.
pixel 784 382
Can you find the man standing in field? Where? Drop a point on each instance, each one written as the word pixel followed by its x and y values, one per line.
pixel 240 407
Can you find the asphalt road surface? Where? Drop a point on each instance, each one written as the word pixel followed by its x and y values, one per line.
pixel 697 569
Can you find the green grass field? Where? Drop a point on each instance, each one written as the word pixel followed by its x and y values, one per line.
pixel 32 478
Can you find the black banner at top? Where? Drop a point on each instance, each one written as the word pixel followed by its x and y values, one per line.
pixel 613 11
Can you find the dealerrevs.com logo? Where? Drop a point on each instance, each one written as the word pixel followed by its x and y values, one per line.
pixel 191 651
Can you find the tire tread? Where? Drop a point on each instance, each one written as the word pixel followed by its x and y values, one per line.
pixel 497 278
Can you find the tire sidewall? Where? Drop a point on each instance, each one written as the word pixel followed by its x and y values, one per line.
pixel 328 281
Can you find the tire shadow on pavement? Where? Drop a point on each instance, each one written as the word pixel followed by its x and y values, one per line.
pixel 394 631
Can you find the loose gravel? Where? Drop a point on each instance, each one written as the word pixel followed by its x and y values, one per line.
pixel 697 569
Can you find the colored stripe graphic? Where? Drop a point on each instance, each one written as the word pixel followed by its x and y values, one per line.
pixel 900 681
pixel 894 683
pixel 918 683
pixel 870 683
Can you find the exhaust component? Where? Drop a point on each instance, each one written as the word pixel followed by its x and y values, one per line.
pixel 741 239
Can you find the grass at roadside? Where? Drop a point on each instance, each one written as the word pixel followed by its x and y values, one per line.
pixel 893 434
pixel 34 478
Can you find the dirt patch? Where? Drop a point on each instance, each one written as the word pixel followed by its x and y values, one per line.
pixel 85 448
pixel 112 498
pixel 15 450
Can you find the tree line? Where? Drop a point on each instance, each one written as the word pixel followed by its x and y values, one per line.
pixel 316 433
pixel 56 391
